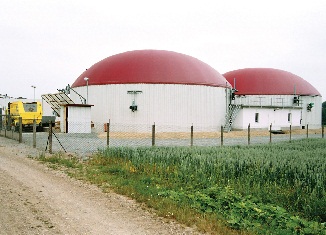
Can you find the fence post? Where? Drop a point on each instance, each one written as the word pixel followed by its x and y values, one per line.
pixel 290 133
pixel 34 133
pixel 322 131
pixel 222 137
pixel 6 126
pixel 307 130
pixel 108 133
pixel 9 123
pixel 191 135
pixel 50 137
pixel 153 134
pixel 270 133
pixel 20 130
pixel 249 134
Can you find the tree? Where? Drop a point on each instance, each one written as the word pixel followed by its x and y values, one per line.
pixel 324 113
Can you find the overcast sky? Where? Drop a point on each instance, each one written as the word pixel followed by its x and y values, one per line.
pixel 48 44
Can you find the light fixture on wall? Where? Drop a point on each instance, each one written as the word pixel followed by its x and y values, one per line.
pixel 133 106
pixel 309 106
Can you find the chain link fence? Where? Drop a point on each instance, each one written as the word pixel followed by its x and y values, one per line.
pixel 53 140
pixel 117 135
pixel 10 127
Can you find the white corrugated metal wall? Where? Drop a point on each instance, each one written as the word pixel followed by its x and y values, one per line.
pixel 77 118
pixel 274 109
pixel 170 105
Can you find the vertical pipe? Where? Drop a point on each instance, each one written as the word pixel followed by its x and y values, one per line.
pixel 191 135
pixel 50 137
pixel 87 92
pixel 226 97
pixel 234 85
pixel 249 134
pixel 20 129
pixel 270 133
pixel 108 133
pixel 34 133
pixel 153 134
pixel 222 140
pixel 290 133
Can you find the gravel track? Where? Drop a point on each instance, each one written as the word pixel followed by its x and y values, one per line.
pixel 37 200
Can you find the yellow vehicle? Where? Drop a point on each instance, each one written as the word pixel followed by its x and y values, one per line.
pixel 28 111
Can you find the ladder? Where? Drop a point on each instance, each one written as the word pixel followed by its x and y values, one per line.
pixel 230 116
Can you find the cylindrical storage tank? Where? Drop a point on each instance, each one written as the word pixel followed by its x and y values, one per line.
pixel 274 96
pixel 143 87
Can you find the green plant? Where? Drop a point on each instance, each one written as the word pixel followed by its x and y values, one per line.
pixel 267 189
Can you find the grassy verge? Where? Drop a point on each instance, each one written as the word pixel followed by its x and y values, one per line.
pixel 265 189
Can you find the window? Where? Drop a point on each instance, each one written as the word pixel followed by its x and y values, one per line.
pixel 256 117
pixel 30 107
pixel 289 117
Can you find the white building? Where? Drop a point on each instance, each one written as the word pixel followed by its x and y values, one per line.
pixel 140 88
pixel 265 97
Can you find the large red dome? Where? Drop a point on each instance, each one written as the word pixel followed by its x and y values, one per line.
pixel 152 67
pixel 267 81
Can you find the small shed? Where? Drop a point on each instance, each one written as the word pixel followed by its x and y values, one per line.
pixel 75 118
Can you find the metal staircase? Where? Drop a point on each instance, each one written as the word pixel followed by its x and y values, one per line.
pixel 230 116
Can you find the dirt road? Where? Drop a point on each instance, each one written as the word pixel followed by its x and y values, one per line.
pixel 37 200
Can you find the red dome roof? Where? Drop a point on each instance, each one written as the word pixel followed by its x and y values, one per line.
pixel 153 67
pixel 266 81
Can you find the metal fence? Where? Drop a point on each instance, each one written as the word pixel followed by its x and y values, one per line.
pixel 9 128
pixel 53 140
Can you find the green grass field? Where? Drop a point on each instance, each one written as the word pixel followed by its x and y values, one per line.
pixel 264 189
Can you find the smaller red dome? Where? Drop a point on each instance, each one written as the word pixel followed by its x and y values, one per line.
pixel 267 81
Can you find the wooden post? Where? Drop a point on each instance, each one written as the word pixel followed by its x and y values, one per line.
pixel 153 134
pixel 108 133
pixel 20 130
pixel 191 135
pixel 6 128
pixel 34 133
pixel 249 134
pixel 6 125
pixel 222 140
pixel 307 130
pixel 290 133
pixel 50 137
pixel 270 133
pixel 9 123
pixel 322 131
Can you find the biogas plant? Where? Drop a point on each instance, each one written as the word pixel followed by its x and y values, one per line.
pixel 176 91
